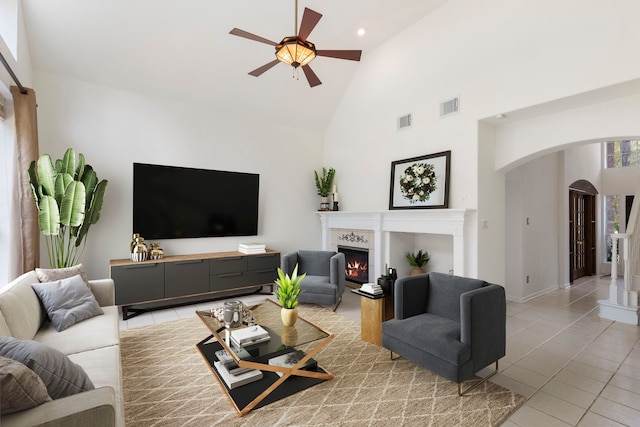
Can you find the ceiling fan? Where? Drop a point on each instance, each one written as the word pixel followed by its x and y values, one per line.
pixel 296 50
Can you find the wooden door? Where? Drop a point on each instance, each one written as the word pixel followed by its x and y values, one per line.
pixel 582 229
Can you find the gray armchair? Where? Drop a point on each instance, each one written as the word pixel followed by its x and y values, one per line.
pixel 453 326
pixel 324 283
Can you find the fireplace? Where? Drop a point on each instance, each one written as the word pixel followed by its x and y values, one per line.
pixel 356 264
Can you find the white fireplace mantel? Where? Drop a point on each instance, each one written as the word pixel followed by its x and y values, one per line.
pixel 428 221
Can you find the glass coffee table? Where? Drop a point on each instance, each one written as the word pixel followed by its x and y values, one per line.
pixel 277 382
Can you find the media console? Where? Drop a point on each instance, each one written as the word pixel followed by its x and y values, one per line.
pixel 186 279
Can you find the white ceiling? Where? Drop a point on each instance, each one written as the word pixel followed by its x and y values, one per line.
pixel 182 50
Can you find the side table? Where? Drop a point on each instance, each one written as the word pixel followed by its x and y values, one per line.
pixel 374 309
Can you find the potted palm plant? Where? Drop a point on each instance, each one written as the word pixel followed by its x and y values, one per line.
pixel 323 185
pixel 417 260
pixel 69 199
pixel 287 291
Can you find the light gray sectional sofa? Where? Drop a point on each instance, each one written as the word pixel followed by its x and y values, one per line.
pixel 93 344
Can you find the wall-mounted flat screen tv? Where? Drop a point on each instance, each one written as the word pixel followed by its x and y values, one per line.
pixel 176 202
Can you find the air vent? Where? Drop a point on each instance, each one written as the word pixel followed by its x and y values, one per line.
pixel 404 121
pixel 450 106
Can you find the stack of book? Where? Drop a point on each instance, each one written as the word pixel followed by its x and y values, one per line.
pixel 232 374
pixel 252 248
pixel 371 288
pixel 288 360
pixel 248 336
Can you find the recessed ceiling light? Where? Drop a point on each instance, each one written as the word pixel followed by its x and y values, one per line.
pixel 362 31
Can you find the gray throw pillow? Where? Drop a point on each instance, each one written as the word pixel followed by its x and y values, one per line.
pixel 67 301
pixel 53 274
pixel 20 387
pixel 60 375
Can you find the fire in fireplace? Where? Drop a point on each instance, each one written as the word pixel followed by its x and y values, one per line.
pixel 356 264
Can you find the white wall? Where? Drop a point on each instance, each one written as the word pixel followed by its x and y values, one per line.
pixel 114 129
pixel 494 55
pixel 533 228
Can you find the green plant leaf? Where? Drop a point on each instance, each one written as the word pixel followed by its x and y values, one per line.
pixel 93 213
pixel 33 180
pixel 73 204
pixel 90 180
pixel 48 216
pixel 68 162
pixel 46 175
pixel 80 168
pixel 288 288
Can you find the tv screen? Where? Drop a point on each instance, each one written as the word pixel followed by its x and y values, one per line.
pixel 176 202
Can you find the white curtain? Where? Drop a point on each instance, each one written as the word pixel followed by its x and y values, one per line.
pixel 24 233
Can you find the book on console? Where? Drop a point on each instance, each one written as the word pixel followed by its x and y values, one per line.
pixel 233 381
pixel 288 360
pixel 253 246
pixel 252 251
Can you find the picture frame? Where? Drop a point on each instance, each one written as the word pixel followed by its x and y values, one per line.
pixel 420 182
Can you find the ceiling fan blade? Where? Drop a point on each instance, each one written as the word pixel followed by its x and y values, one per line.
pixel 309 21
pixel 264 68
pixel 241 33
pixel 352 55
pixel 312 78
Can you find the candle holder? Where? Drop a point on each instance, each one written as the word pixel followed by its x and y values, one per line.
pixel 335 206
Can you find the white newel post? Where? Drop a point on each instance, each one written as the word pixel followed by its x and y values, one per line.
pixel 626 310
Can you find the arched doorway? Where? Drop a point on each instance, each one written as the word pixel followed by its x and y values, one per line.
pixel 582 229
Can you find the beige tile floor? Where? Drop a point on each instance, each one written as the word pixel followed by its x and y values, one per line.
pixel 575 368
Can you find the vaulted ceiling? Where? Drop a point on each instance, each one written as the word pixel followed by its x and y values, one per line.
pixel 182 50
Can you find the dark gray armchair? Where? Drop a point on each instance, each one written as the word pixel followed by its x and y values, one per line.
pixel 324 283
pixel 453 326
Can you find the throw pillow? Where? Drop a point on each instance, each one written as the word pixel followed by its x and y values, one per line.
pixel 53 274
pixel 67 301
pixel 20 387
pixel 59 374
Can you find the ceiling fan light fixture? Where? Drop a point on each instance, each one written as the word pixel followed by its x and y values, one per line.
pixel 295 52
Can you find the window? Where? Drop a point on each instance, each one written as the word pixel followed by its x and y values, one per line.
pixel 622 153
pixel 612 221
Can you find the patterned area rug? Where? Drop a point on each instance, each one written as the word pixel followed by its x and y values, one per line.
pixel 166 383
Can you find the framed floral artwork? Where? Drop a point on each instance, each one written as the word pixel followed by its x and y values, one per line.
pixel 420 182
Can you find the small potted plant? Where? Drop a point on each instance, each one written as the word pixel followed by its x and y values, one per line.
pixel 417 261
pixel 287 291
pixel 323 185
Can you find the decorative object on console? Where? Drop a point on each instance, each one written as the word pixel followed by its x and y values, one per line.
pixel 417 260
pixel 156 251
pixel 335 198
pixel 287 291
pixel 139 252
pixel 323 185
pixel 420 182
pixel 69 199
